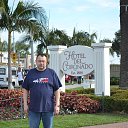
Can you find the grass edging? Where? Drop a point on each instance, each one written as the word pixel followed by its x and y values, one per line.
pixel 72 121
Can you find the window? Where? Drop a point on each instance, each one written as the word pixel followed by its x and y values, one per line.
pixel 2 71
pixel 13 72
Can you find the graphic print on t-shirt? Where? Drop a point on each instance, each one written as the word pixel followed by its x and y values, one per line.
pixel 41 80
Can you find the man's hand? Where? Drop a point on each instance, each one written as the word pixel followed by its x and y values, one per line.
pixel 56 110
pixel 26 109
pixel 25 99
pixel 57 100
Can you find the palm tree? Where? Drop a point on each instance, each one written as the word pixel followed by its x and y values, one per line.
pixel 57 37
pixel 124 43
pixel 117 42
pixel 108 41
pixel 22 48
pixel 3 47
pixel 83 38
pixel 22 51
pixel 29 38
pixel 39 37
pixel 27 16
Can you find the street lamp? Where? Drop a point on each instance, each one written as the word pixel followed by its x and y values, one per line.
pixel 14 42
pixel 32 53
pixel 1 41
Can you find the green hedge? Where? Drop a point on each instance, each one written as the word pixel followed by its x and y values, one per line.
pixel 114 80
pixel 117 102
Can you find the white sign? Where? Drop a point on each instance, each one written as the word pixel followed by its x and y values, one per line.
pixel 77 60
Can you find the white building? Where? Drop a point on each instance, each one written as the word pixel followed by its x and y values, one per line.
pixel 23 62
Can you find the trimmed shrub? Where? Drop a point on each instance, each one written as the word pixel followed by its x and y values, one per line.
pixel 80 103
pixel 114 80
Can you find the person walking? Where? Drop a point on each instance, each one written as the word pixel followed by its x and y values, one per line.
pixel 43 86
pixel 20 76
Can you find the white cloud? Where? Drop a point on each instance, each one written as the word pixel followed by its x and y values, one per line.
pixel 82 8
pixel 101 15
pixel 105 3
pixel 52 1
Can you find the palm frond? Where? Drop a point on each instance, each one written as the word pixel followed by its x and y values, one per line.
pixel 29 11
pixel 25 38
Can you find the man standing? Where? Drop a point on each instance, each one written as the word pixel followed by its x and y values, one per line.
pixel 42 84
pixel 20 76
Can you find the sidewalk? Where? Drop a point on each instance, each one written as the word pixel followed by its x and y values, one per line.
pixel 114 125
pixel 73 86
pixel 84 85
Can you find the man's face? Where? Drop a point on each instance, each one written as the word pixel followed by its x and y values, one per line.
pixel 41 62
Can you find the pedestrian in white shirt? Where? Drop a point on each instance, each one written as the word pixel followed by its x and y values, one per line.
pixel 20 76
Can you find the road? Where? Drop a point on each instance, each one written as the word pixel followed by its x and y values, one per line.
pixel 85 84
pixel 73 86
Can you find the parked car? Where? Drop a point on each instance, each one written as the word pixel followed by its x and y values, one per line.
pixel 67 79
pixel 4 76
pixel 70 79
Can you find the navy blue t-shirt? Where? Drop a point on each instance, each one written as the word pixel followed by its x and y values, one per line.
pixel 42 85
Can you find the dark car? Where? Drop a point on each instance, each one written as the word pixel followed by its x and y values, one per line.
pixel 67 79
pixel 70 79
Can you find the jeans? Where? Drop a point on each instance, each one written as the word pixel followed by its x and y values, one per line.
pixel 35 118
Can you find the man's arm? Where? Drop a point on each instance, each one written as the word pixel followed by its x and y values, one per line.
pixel 25 99
pixel 57 101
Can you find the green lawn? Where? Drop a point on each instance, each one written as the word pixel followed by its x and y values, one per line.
pixel 71 121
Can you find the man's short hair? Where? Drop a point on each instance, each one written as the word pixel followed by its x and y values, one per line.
pixel 43 54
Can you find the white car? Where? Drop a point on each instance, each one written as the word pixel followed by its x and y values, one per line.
pixel 4 76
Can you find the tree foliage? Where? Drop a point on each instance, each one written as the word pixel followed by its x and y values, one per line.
pixel 22 48
pixel 116 42
pixel 27 16
pixel 3 46
pixel 57 37
pixel 83 38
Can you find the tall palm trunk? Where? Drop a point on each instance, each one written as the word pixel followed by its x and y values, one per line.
pixel 124 43
pixel 9 62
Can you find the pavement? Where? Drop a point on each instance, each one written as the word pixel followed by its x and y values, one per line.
pixel 114 125
pixel 73 86
pixel 86 84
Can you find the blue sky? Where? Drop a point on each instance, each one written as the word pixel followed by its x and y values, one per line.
pixel 100 16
